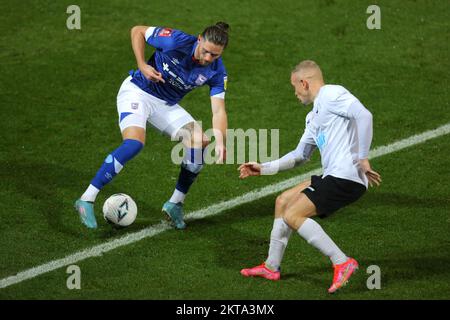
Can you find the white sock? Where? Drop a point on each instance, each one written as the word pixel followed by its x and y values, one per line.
pixel 177 196
pixel 90 194
pixel 278 241
pixel 313 233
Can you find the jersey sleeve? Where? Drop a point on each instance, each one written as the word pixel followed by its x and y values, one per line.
pixel 341 102
pixel 338 99
pixel 363 118
pixel 166 39
pixel 297 157
pixel 308 136
pixel 218 83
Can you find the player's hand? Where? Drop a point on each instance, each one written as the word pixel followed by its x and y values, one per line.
pixel 373 176
pixel 221 152
pixel 249 169
pixel 151 74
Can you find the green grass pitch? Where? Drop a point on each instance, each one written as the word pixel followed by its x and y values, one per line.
pixel 59 121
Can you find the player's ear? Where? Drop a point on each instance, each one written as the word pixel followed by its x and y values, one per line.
pixel 305 84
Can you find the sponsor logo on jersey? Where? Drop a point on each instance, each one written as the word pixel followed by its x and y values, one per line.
pixel 200 80
pixel 321 140
pixel 166 32
pixel 134 105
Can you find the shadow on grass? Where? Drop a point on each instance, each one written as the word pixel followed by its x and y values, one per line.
pixel 54 189
pixel 237 247
pixel 406 200
pixel 400 268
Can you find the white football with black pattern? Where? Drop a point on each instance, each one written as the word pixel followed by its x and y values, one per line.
pixel 120 210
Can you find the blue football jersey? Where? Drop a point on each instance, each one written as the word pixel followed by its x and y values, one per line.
pixel 173 58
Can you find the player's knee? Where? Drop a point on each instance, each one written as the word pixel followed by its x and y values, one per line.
pixel 281 202
pixel 196 139
pixel 134 133
pixel 192 136
pixel 290 218
pixel 295 217
pixel 205 141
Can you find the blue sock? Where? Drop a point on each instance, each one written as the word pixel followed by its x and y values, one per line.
pixel 185 180
pixel 190 168
pixel 115 161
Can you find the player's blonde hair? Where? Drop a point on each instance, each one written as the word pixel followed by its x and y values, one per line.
pixel 308 69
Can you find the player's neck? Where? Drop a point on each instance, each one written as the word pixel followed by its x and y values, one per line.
pixel 196 55
pixel 315 88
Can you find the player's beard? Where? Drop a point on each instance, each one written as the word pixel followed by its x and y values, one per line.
pixel 306 103
pixel 204 63
pixel 305 100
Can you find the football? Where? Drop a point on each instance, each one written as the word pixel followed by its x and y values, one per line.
pixel 120 210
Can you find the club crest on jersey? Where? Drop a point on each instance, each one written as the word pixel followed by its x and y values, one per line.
pixel 166 32
pixel 200 80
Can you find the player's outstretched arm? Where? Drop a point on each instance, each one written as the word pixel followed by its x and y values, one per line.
pixel 293 159
pixel 249 169
pixel 138 44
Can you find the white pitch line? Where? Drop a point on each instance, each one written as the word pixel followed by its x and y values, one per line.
pixel 212 210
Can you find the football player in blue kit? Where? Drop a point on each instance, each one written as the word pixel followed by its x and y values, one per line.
pixel 180 63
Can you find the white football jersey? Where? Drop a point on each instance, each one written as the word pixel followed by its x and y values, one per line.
pixel 330 128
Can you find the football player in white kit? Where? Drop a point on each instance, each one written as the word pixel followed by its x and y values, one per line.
pixel 180 63
pixel 341 128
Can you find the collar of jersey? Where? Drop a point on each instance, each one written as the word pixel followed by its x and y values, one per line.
pixel 318 94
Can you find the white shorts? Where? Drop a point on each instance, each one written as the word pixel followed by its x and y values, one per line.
pixel 136 107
